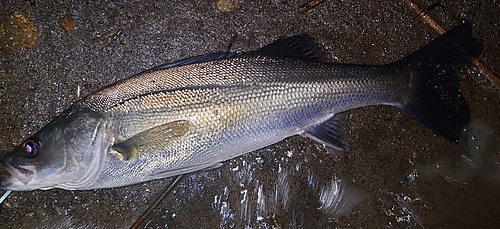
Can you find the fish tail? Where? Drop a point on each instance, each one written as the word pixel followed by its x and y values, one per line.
pixel 436 100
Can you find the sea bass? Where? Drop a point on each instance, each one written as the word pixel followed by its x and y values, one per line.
pixel 195 113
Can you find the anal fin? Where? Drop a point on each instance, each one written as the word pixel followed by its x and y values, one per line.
pixel 330 133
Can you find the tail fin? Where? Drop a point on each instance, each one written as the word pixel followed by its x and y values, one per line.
pixel 436 101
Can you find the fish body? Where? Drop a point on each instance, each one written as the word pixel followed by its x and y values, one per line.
pixel 196 113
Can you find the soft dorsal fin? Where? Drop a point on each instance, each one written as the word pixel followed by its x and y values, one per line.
pixel 295 47
pixel 331 133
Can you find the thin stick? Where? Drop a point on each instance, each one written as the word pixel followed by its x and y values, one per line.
pixel 309 5
pixel 436 27
pixel 155 203
pixel 4 196
pixel 111 34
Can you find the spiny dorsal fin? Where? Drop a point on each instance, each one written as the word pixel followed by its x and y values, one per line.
pixel 297 47
pixel 193 60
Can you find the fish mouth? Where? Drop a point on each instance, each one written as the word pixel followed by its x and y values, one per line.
pixel 24 174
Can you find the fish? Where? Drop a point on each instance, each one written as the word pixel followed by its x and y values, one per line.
pixel 196 113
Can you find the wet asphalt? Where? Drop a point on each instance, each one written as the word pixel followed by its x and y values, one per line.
pixel 405 174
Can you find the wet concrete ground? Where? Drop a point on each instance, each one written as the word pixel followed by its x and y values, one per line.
pixel 397 164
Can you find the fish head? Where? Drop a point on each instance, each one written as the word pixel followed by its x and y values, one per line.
pixel 64 154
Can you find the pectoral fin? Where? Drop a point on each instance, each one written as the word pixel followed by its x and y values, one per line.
pixel 331 133
pixel 175 172
pixel 152 140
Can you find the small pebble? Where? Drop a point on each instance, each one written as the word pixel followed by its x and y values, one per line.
pixel 66 23
pixel 226 6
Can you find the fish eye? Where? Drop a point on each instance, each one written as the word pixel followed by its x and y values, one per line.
pixel 31 146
